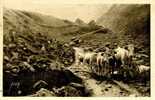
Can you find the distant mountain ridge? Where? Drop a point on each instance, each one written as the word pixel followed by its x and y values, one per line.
pixel 31 22
pixel 80 22
pixel 131 21
pixel 127 18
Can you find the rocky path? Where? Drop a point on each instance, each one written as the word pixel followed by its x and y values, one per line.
pixel 133 91
pixel 106 88
pixel 93 87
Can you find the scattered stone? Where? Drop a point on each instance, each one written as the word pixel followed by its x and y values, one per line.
pixel 76 85
pixel 69 91
pixel 15 70
pixel 73 38
pixel 110 86
pixel 80 41
pixel 133 95
pixel 121 92
pixel 12 45
pixel 43 92
pixel 40 84
pixel 72 43
pixel 106 89
pixel 6 58
pixel 66 45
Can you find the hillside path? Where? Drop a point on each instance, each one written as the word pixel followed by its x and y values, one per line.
pixel 103 88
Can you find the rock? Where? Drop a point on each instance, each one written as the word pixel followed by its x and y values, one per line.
pixel 76 41
pixel 19 92
pixel 97 50
pixel 26 57
pixel 139 61
pixel 76 85
pixel 12 45
pixel 24 48
pixel 110 86
pixel 144 55
pixel 48 42
pixel 6 58
pixel 43 49
pixel 66 45
pixel 133 95
pixel 5 46
pixel 15 70
pixel 115 44
pixel 32 69
pixel 25 66
pixel 66 62
pixel 121 92
pixel 8 66
pixel 80 41
pixel 107 44
pixel 106 89
pixel 141 51
pixel 15 55
pixel 7 71
pixel 69 91
pixel 72 43
pixel 73 38
pixel 115 72
pixel 43 92
pixel 40 84
pixel 56 66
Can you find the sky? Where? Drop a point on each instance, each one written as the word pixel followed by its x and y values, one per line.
pixel 70 11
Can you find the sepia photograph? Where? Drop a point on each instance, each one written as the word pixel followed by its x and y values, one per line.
pixel 76 50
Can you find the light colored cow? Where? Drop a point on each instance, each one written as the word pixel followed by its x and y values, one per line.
pixel 89 56
pixel 143 68
pixel 121 54
pixel 124 55
pixel 79 54
pixel 102 62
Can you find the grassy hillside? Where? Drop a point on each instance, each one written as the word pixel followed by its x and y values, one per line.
pixel 30 22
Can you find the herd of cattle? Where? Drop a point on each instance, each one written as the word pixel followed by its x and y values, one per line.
pixel 109 61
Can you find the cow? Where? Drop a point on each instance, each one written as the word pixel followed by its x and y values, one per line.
pixel 143 73
pixel 143 68
pixel 79 55
pixel 124 55
pixel 89 56
pixel 102 62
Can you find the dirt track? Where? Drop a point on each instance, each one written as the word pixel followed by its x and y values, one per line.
pixel 105 87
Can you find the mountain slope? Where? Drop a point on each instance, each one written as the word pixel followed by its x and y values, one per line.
pixel 129 21
pixel 30 22
pixel 127 18
pixel 22 21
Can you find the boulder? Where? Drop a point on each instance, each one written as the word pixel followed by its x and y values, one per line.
pixel 72 43
pixel 39 85
pixel 69 91
pixel 43 93
pixel 73 38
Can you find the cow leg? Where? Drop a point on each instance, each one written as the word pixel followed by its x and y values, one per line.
pixel 84 60
pixel 77 61
pixel 102 66
pixel 90 61
pixel 97 64
pixel 99 68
